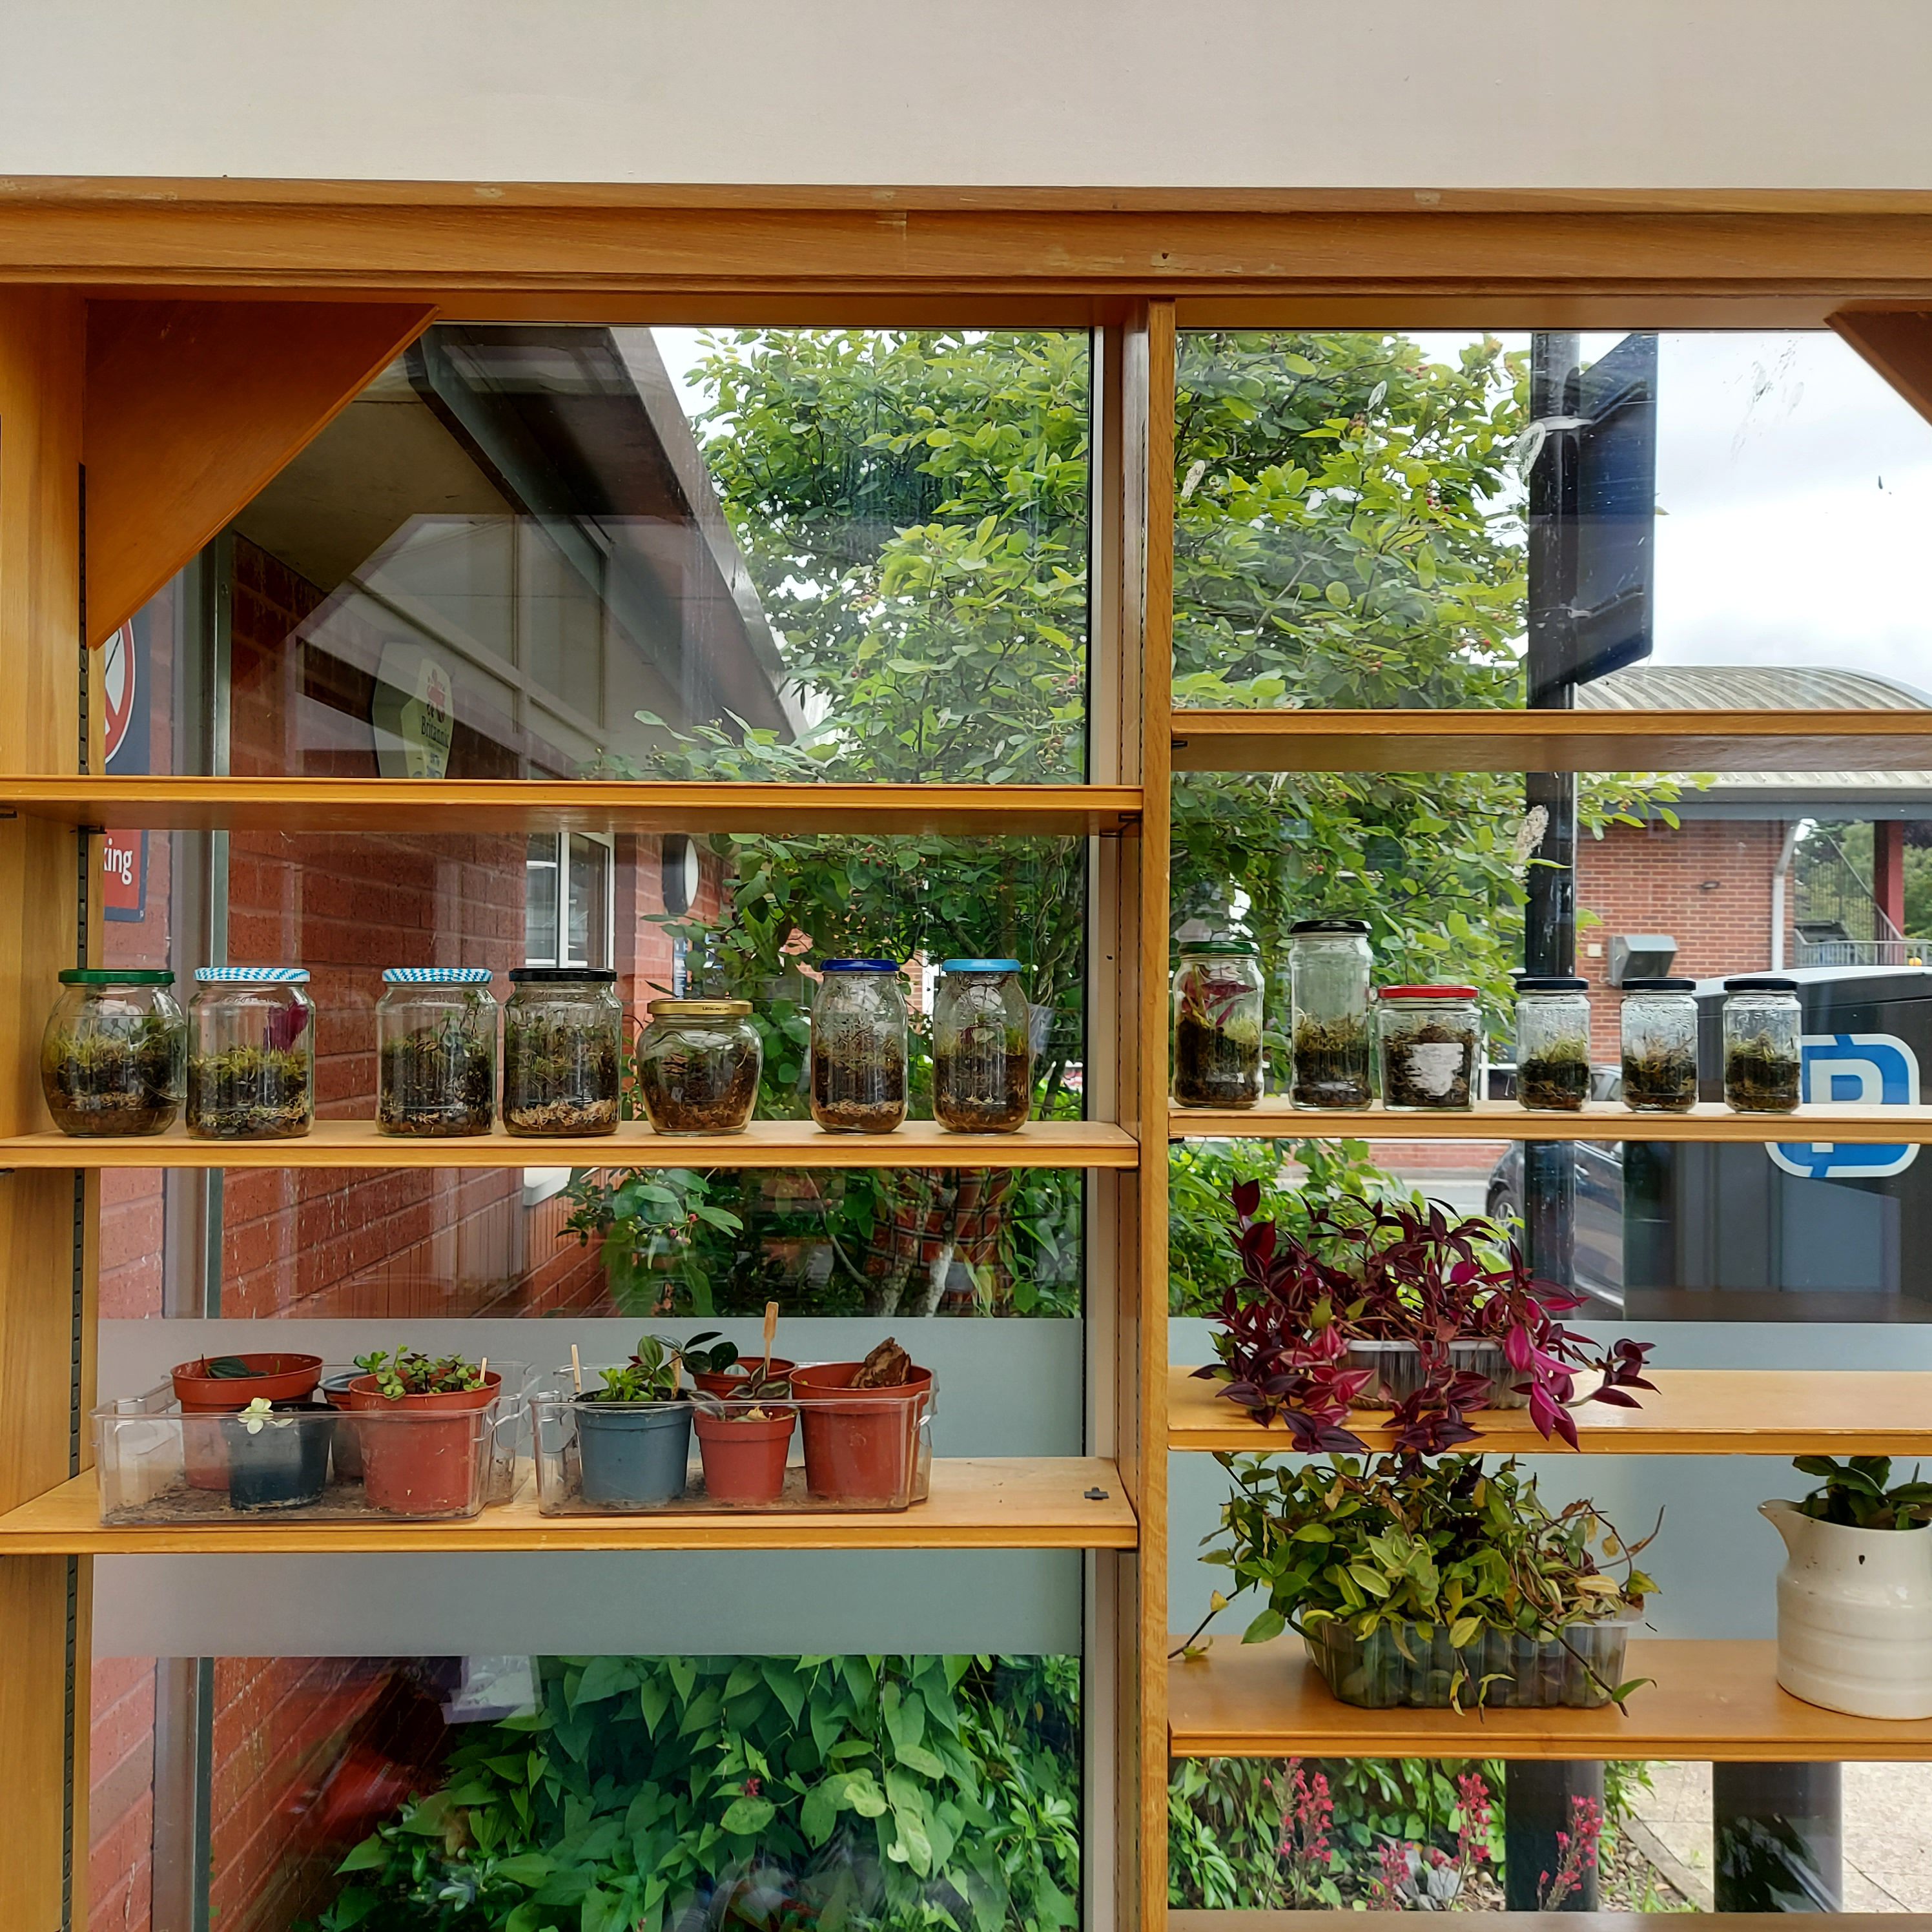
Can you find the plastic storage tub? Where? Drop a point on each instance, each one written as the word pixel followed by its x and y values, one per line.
pixel 815 1450
pixel 1398 1371
pixel 145 1446
pixel 1579 1670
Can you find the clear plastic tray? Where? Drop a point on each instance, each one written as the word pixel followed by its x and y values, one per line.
pixel 814 1450
pixel 1579 1670
pixel 1397 1367
pixel 316 1464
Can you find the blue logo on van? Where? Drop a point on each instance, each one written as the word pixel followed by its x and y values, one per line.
pixel 1854 1069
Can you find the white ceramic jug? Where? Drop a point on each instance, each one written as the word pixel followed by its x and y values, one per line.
pixel 1854 1615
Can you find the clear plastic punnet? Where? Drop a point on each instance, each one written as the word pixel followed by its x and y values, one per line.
pixel 820 1448
pixel 1399 1371
pixel 1415 1667
pixel 315 1461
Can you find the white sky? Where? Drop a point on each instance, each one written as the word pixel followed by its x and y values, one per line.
pixel 1795 489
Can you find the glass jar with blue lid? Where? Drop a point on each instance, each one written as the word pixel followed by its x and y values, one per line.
pixel 436 1050
pixel 982 1048
pixel 858 1047
pixel 251 1053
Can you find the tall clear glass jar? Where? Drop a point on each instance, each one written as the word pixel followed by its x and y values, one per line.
pixel 114 1055
pixel 1331 1032
pixel 982 1048
pixel 698 1065
pixel 563 1052
pixel 1659 1045
pixel 1764 1045
pixel 1432 1046
pixel 1553 1043
pixel 858 1047
pixel 435 1052
pixel 1218 1013
pixel 250 1054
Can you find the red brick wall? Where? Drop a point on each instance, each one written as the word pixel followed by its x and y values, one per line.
pixel 1707 884
pixel 120 1796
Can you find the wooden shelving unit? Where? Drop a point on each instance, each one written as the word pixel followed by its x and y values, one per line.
pixel 763 1143
pixel 976 1503
pixel 1693 1412
pixel 1323 1921
pixel 1599 1121
pixel 1710 1703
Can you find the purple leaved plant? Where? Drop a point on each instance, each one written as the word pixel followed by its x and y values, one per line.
pixel 1393 1274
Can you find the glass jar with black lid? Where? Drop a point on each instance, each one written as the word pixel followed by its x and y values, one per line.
pixel 563 1052
pixel 1764 1045
pixel 1331 1030
pixel 114 1055
pixel 1552 1042
pixel 1659 1029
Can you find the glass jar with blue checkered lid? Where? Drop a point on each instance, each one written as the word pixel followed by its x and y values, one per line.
pixel 435 1046
pixel 251 1053
pixel 982 1048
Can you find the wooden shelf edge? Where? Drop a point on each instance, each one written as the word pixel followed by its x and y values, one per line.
pixel 1323 1920
pixel 1777 1412
pixel 1599 1121
pixel 976 1503
pixel 357 1143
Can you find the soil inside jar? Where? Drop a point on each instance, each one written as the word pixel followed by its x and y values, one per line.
pixel 1557 1080
pixel 558 1078
pixel 1761 1076
pixel 1413 1079
pixel 1665 1082
pixel 98 1084
pixel 1331 1063
pixel 249 1093
pixel 960 1098
pixel 436 1082
pixel 705 1092
pixel 1214 1067
pixel 857 1091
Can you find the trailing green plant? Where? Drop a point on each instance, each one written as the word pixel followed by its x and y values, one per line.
pixel 409 1371
pixel 873 1794
pixel 651 1375
pixel 1860 1494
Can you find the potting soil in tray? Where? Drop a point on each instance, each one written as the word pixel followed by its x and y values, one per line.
pixel 795 1499
pixel 340 1502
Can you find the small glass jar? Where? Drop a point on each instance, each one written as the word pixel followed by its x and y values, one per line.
pixel 563 1051
pixel 698 1064
pixel 113 1058
pixel 1432 1038
pixel 250 1054
pixel 859 1048
pixel 982 1048
pixel 1552 1044
pixel 435 1052
pixel 1218 1012
pixel 1764 1046
pixel 1659 1045
pixel 1332 1035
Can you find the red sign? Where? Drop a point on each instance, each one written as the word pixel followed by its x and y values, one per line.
pixel 123 875
pixel 120 683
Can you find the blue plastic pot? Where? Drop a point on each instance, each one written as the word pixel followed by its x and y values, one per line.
pixel 633 1454
pixel 279 1467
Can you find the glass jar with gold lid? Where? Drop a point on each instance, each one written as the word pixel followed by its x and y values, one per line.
pixel 698 1064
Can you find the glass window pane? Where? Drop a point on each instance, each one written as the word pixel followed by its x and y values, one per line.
pixel 588 940
pixel 540 901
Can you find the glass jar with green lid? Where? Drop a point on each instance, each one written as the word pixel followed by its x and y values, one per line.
pixel 982 1048
pixel 1218 1007
pixel 114 1055
pixel 698 1064
pixel 563 1040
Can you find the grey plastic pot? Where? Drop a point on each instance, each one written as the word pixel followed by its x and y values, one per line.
pixel 633 1454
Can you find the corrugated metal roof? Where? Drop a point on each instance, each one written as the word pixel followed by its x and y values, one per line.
pixel 1735 687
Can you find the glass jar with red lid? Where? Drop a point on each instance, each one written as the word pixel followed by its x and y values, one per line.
pixel 1431 1047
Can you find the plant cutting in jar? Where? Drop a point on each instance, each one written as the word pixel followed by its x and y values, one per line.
pixel 440 1079
pixel 1429 1279
pixel 1431 1584
pixel 117 1075
pixel 1557 1078
pixel 1217 1046
pixel 560 1071
pixel 1762 1074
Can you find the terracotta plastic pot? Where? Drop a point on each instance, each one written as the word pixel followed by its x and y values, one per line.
pixel 632 1454
pixel 861 1445
pixel 274 1378
pixel 279 1467
pixel 745 1459
pixel 427 1460
pixel 733 1381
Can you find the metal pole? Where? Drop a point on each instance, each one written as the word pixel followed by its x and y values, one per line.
pixel 1538 1802
pixel 1778 1835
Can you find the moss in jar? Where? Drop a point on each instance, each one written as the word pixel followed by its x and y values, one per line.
pixel 1761 1076
pixel 983 1085
pixel 559 1078
pixel 1557 1079
pixel 1331 1063
pixel 1419 1071
pixel 249 1093
pixel 1662 1081
pixel 437 1081
pixel 1216 1066
pixel 858 1084
pixel 108 1083
pixel 698 1090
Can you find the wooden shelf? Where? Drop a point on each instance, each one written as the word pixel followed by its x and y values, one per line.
pixel 1504 1121
pixel 516 806
pixel 1712 1702
pixel 1323 1920
pixel 1553 741
pixel 763 1143
pixel 977 1503
pixel 1693 1412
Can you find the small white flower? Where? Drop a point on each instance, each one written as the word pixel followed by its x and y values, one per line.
pixel 1529 834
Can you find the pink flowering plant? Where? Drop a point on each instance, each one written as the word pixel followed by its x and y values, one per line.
pixel 1427 1277
pixel 1576 1855
pixel 1308 1858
